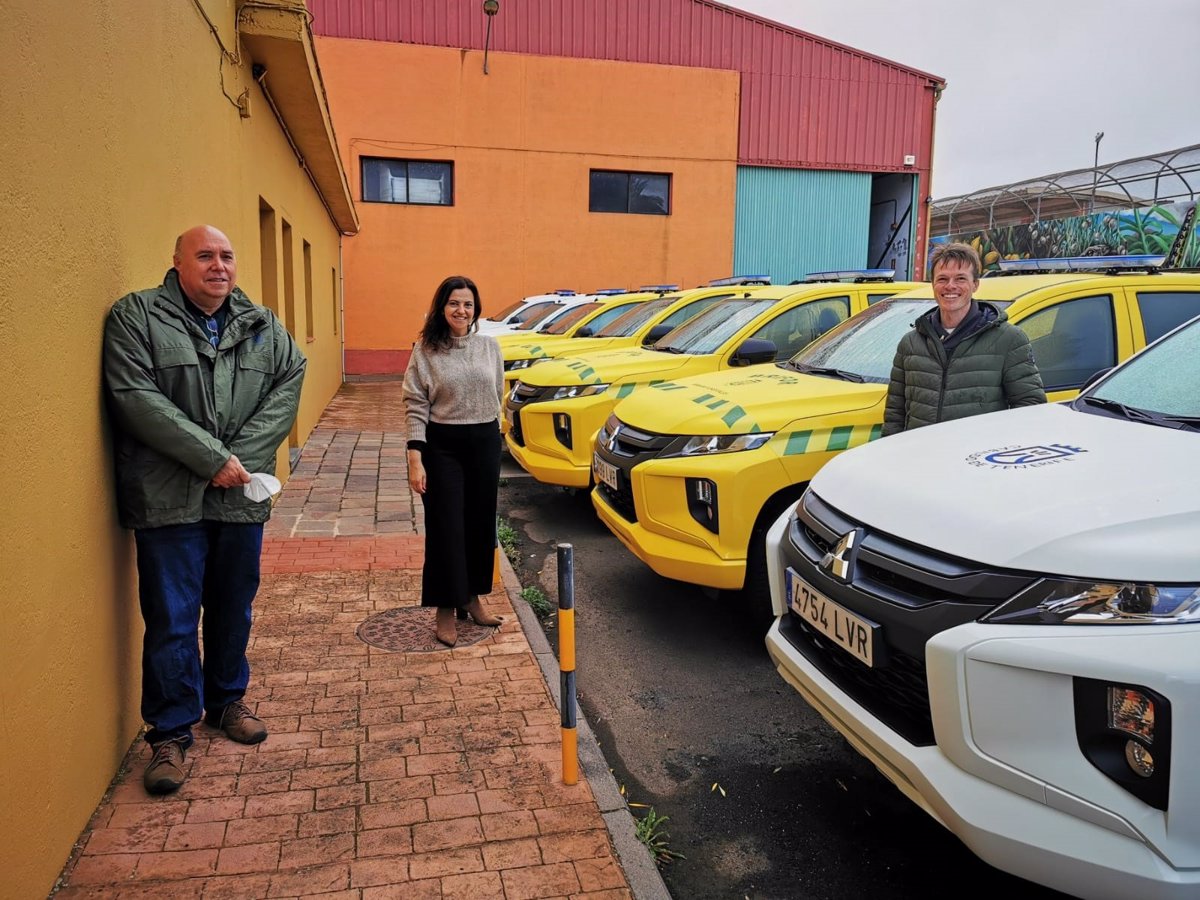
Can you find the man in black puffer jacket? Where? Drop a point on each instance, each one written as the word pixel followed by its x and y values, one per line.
pixel 961 359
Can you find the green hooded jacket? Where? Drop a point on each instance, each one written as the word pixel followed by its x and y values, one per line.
pixel 180 407
pixel 990 369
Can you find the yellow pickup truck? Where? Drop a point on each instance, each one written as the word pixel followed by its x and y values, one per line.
pixel 689 474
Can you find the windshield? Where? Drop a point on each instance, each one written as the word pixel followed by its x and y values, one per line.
pixel 505 313
pixel 631 320
pixel 528 319
pixel 1160 386
pixel 864 344
pixel 708 331
pixel 564 320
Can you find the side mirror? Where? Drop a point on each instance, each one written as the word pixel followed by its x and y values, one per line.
pixel 753 352
pixel 585 331
pixel 657 333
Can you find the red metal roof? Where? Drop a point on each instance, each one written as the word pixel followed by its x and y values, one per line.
pixel 805 101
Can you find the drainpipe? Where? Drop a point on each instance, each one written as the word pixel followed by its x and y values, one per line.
pixel 341 299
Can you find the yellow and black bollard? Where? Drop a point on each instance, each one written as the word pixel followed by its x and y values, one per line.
pixel 566 662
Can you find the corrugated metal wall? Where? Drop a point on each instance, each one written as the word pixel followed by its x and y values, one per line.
pixel 790 222
pixel 806 102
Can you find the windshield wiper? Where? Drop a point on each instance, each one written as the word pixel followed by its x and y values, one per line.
pixel 1142 415
pixel 668 349
pixel 827 370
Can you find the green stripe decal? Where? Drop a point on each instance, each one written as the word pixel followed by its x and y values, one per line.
pixel 587 373
pixel 797 443
pixel 876 430
pixel 624 391
pixel 717 404
pixel 733 415
pixel 667 386
pixel 703 398
pixel 839 438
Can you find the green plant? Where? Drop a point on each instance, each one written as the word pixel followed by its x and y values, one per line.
pixel 537 599
pixel 650 831
pixel 507 536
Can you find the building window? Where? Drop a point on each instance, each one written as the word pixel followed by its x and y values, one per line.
pixel 630 192
pixel 414 181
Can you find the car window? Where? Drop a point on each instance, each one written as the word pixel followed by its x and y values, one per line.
pixel 633 317
pixel 506 312
pixel 864 344
pixel 533 311
pixel 872 299
pixel 1164 380
pixel 610 315
pixel 708 331
pixel 684 313
pixel 1072 340
pixel 1164 310
pixel 560 323
pixel 799 326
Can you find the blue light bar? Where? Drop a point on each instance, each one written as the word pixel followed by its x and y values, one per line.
pixel 609 292
pixel 739 279
pixel 565 293
pixel 851 275
pixel 658 287
pixel 1082 263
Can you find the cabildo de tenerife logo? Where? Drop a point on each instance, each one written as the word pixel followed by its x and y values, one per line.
pixel 1017 456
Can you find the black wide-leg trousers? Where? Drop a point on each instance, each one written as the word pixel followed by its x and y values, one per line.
pixel 462 475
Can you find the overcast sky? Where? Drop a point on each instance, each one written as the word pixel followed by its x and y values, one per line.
pixel 1030 82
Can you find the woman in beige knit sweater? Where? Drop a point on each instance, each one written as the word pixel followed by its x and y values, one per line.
pixel 453 387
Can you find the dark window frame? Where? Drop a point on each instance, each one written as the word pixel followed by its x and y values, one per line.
pixel 362 171
pixel 629 173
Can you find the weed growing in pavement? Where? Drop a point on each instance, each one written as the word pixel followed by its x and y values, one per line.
pixel 507 535
pixel 537 599
pixel 650 831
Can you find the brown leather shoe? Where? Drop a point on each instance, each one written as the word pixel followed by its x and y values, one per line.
pixel 239 724
pixel 445 629
pixel 475 610
pixel 165 772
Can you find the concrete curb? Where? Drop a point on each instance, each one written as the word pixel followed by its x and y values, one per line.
pixel 644 878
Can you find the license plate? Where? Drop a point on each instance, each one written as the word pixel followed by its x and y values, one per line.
pixel 605 471
pixel 852 633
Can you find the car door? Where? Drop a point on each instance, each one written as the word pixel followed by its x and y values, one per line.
pixel 1076 335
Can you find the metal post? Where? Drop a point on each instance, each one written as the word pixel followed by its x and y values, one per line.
pixel 566 662
pixel 1096 168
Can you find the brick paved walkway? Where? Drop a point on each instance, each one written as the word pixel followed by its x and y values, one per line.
pixel 387 775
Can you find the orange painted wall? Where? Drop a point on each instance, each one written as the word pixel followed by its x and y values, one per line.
pixel 523 139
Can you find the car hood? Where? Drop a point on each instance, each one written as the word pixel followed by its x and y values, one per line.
pixel 527 346
pixel 606 366
pixel 1042 489
pixel 743 401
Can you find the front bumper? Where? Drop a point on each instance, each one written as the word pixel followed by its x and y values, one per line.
pixel 674 558
pixel 1004 770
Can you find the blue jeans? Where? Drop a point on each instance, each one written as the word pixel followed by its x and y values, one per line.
pixel 183 569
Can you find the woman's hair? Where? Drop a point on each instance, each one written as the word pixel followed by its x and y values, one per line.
pixel 435 333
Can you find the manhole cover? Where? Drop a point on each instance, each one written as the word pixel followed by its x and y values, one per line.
pixel 410 629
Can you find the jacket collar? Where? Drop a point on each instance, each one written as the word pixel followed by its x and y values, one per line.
pixel 245 317
pixel 930 325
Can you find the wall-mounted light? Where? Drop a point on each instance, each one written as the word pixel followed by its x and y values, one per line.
pixel 490 8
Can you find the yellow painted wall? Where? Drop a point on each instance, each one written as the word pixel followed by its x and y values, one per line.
pixel 523 140
pixel 116 136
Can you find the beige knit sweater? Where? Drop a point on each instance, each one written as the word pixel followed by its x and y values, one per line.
pixel 461 385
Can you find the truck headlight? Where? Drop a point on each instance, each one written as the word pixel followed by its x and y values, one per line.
pixel 1054 601
pixel 706 444
pixel 579 390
